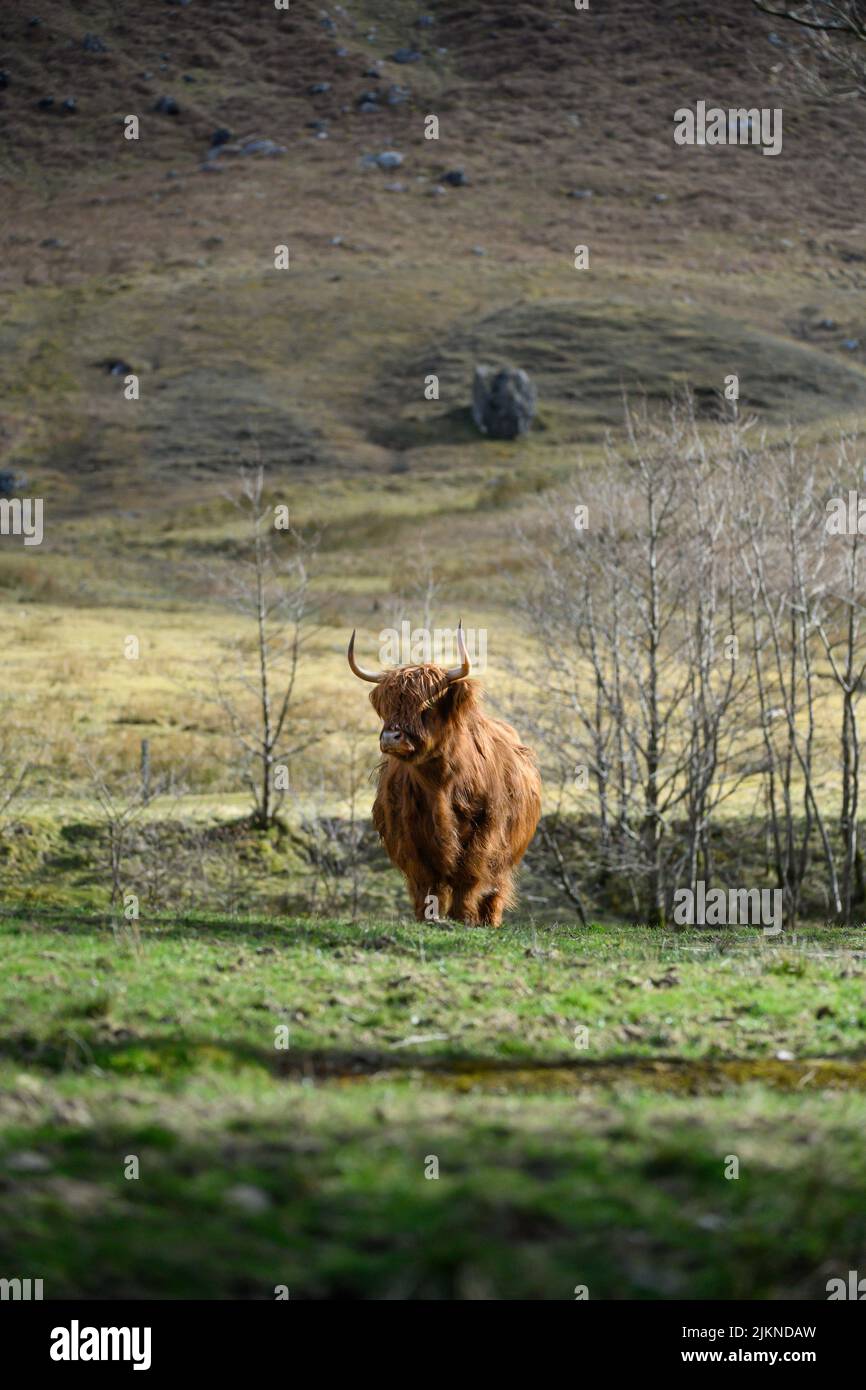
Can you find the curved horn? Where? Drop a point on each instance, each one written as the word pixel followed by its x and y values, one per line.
pixel 459 673
pixel 359 671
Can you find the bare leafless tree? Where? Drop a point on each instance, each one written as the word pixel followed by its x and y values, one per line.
pixel 831 59
pixel 269 585
pixel 331 830
pixel 686 629
pixel 838 613
pixel 782 559
pixel 822 16
pixel 642 687
pixel 17 758
pixel 122 800
pixel 416 591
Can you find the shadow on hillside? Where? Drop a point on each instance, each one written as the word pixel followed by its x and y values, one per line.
pixel 447 427
pixel 120 1051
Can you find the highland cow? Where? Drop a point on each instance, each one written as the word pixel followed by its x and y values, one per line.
pixel 458 797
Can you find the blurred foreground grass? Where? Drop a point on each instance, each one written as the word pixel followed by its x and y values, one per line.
pixel 410 1047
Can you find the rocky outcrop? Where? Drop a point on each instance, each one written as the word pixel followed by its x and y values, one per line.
pixel 503 401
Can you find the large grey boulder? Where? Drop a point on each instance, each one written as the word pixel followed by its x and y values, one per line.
pixel 503 401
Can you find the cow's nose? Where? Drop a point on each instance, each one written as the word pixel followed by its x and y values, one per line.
pixel 390 736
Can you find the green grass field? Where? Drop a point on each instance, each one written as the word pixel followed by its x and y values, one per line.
pixel 566 1157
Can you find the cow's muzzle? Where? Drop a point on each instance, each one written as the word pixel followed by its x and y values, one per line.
pixel 393 740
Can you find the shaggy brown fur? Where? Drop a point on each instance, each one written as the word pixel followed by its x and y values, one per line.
pixel 459 796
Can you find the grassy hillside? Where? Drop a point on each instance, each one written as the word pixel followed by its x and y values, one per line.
pixel 701 262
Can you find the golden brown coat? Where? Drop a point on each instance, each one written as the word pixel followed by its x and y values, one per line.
pixel 458 800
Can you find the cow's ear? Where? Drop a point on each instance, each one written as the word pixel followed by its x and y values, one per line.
pixel 460 697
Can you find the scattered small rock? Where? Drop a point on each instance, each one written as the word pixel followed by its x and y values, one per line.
pixel 52 243
pixel 221 136
pixel 82 1198
pixel 246 1198
pixel 395 188
pixel 851 344
pixel 660 197
pixel 10 482
pixel 70 105
pixel 167 105
pixel 388 159
pixel 28 1162
pixel 739 129
pixel 581 193
pixel 456 177
pixel 397 95
pixel 319 88
pixel 406 55
pixel 784 1056
pixel 45 103
pixel 503 401
pixel 424 21
pixel 4 78
pixel 479 251
pixel 369 108
pixel 420 1039
pixel 267 147
pixel 92 43
pixel 669 980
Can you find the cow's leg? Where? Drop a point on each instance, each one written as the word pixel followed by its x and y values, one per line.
pixel 431 903
pixel 496 900
pixel 491 908
pixel 465 904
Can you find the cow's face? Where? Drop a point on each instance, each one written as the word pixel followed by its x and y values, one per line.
pixel 414 704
